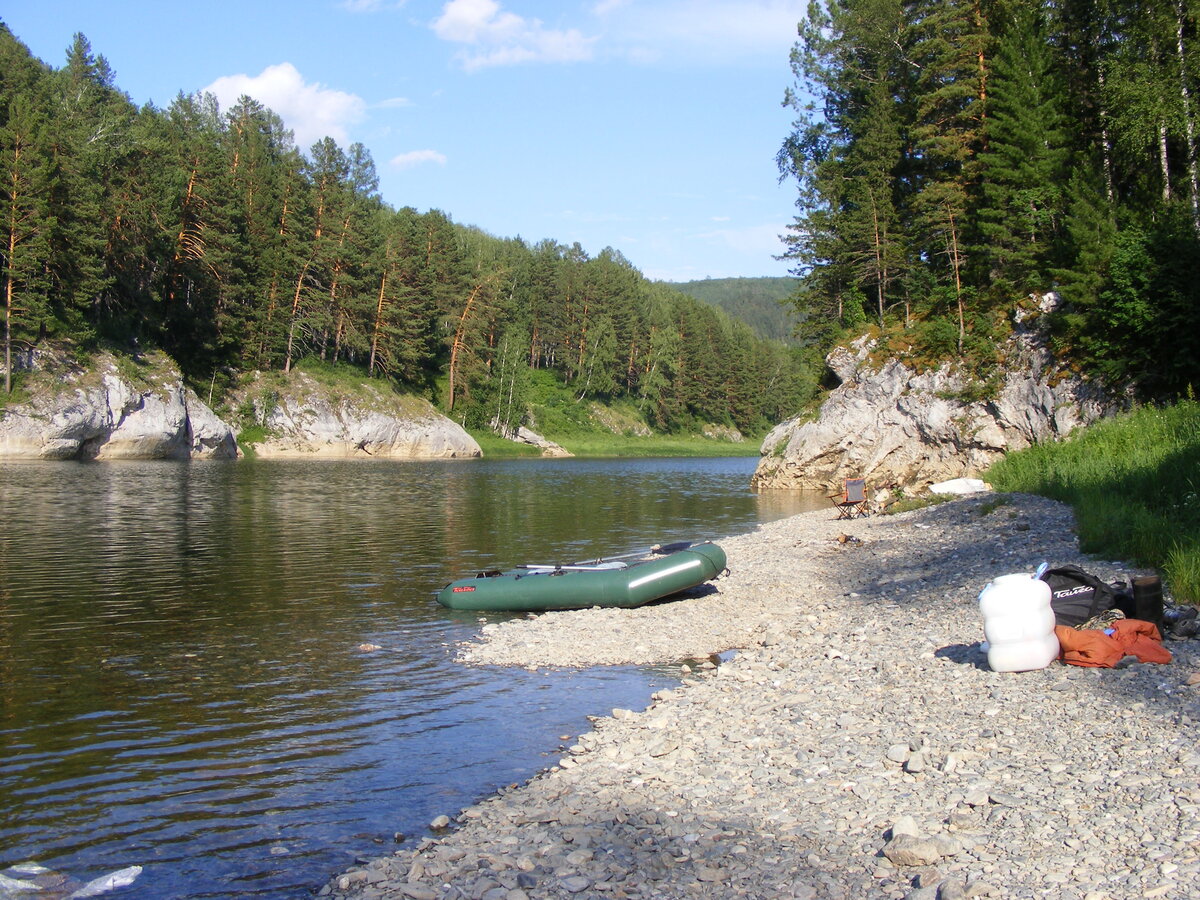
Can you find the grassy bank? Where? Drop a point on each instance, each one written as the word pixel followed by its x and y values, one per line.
pixel 615 445
pixel 1134 482
pixel 656 445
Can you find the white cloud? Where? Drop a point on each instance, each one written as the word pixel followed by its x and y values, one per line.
pixel 500 38
pixel 394 103
pixel 368 6
pixel 417 158
pixel 312 111
pixel 604 7
pixel 759 240
pixel 716 28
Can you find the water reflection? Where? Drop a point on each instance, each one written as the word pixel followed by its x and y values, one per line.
pixel 180 684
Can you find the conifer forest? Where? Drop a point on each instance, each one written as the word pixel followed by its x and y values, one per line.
pixel 953 161
pixel 955 157
pixel 206 233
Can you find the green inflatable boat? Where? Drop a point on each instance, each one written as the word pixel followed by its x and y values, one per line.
pixel 606 582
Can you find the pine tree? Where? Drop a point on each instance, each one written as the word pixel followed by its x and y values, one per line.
pixel 847 153
pixel 89 135
pixel 197 243
pixel 1022 201
pixel 25 172
pixel 258 150
pixel 952 48
pixel 313 288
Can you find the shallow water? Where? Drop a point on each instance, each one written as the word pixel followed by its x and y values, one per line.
pixel 181 684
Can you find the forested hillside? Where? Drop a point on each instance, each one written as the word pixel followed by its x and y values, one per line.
pixel 759 302
pixel 207 233
pixel 953 156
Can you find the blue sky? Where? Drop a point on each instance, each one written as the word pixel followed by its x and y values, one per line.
pixel 650 126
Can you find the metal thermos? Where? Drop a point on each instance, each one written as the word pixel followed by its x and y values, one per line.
pixel 1148 600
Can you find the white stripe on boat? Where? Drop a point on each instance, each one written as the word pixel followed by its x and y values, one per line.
pixel 682 567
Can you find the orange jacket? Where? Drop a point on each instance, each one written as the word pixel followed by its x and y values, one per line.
pixel 1093 647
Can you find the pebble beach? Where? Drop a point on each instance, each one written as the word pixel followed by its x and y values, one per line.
pixel 837 733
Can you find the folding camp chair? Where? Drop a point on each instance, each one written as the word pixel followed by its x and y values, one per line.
pixel 853 500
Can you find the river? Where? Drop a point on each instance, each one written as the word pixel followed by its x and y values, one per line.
pixel 182 680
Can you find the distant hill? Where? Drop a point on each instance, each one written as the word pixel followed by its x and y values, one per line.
pixel 755 301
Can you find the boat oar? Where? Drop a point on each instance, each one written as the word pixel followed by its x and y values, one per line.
pixel 578 567
pixel 657 550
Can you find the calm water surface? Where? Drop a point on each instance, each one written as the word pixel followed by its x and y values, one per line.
pixel 180 681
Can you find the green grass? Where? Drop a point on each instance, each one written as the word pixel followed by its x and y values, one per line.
pixel 908 504
pixel 20 393
pixel 493 446
pixel 248 437
pixel 601 444
pixel 1134 483
pixel 587 429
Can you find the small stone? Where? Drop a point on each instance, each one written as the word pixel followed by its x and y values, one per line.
pixel 905 825
pixel 981 889
pixel 928 878
pixel 575 883
pixel 664 746
pixel 351 878
pixel 440 823
pixel 908 850
pixel 976 797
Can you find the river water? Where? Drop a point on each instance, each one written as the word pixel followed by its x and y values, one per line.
pixel 181 681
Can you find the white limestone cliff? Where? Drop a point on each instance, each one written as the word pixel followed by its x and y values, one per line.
pixel 78 413
pixel 900 428
pixel 306 420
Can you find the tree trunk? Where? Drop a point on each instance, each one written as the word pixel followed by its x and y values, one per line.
pixel 1163 162
pixel 1106 146
pixel 956 261
pixel 1189 117
pixel 378 324
pixel 10 250
pixel 8 307
pixel 287 363
pixel 457 345
pixel 880 268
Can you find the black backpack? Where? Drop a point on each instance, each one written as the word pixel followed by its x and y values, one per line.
pixel 1077 596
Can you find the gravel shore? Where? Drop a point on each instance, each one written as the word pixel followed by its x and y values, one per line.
pixel 855 746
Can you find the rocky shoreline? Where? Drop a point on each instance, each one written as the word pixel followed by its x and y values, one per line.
pixel 855 746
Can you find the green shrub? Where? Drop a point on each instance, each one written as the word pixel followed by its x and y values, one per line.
pixel 1134 483
pixel 908 504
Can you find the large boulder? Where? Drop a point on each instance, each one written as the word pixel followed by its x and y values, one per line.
pixel 903 428
pixel 303 419
pixel 141 410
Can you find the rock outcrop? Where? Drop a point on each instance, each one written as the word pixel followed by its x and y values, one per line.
pixel 898 427
pixel 523 435
pixel 303 419
pixel 103 413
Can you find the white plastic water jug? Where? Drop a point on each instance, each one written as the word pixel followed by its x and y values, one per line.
pixel 1018 623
